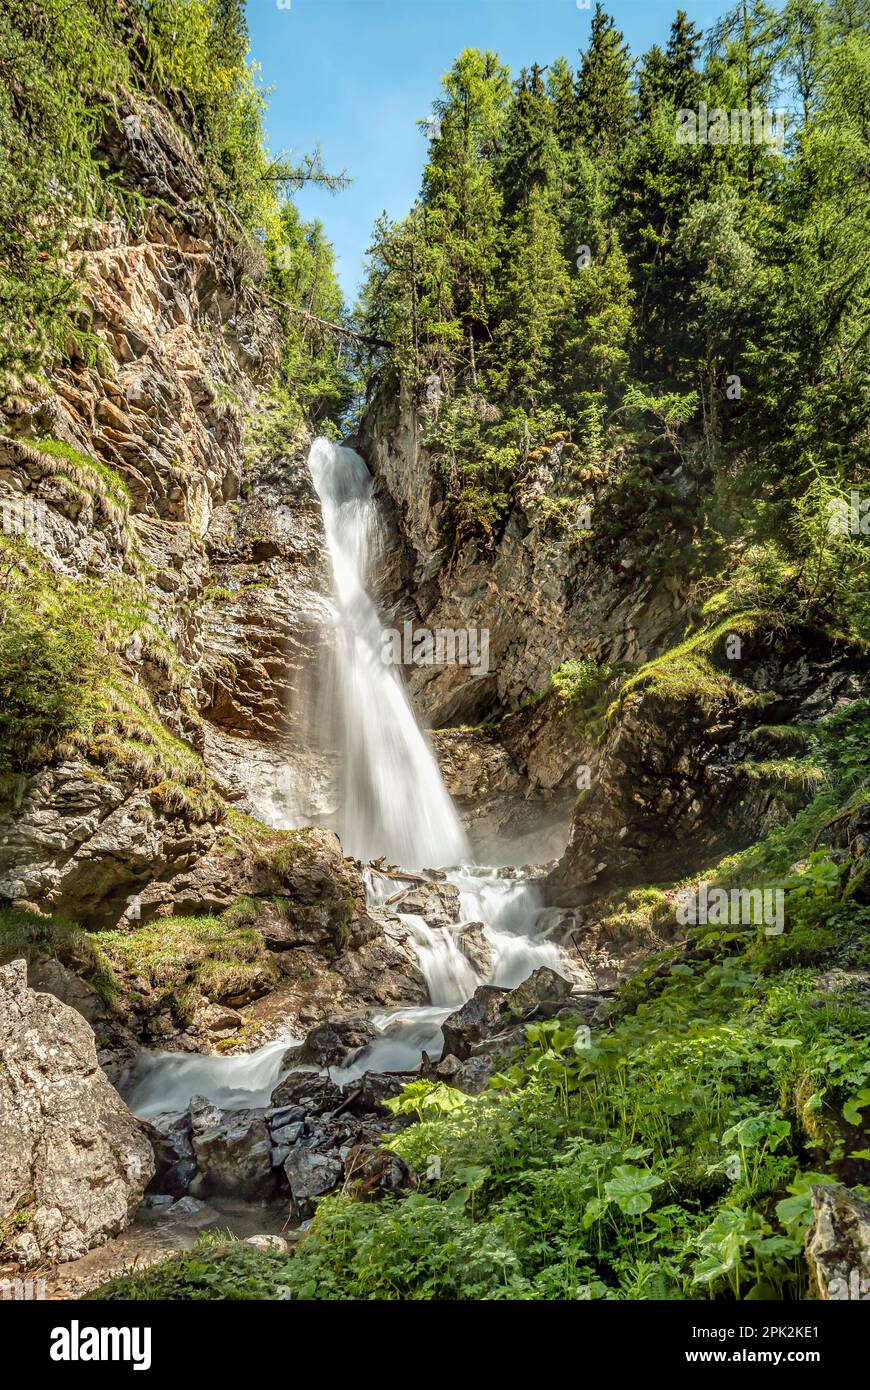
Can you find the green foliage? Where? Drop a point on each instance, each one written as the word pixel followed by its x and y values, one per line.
pixel 418 1097
pixel 92 473
pixel 25 933
pixel 669 1155
pixel 58 61
pixel 693 318
pixel 63 685
pixel 209 1271
pixel 48 675
pixel 182 958
pixel 66 67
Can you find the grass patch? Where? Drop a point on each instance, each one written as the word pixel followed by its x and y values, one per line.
pixel 97 478
pixel 578 687
pixel 26 934
pixel 690 674
pixel 183 958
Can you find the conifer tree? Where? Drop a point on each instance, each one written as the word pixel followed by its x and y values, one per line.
pixel 605 102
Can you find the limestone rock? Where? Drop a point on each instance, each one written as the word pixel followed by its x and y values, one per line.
pixel 233 1155
pixel 329 1044
pixel 475 947
pixel 540 996
pixel 310 1175
pixel 65 1134
pixel 838 1243
pixel 478 1017
pixel 437 903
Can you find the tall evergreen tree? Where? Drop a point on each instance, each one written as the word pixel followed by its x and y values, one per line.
pixel 605 102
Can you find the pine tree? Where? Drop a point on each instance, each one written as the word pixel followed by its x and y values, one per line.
pixel 683 80
pixel 462 202
pixel 659 181
pixel 605 103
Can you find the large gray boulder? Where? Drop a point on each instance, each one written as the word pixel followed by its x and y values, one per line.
pixel 437 903
pixel 73 1159
pixel 838 1243
pixel 491 1010
pixel 540 996
pixel 232 1149
pixel 333 1040
pixel 478 1017
pixel 311 1174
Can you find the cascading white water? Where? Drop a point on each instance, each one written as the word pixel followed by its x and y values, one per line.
pixel 447 972
pixel 510 909
pixel 163 1081
pixel 395 804
pixel 393 801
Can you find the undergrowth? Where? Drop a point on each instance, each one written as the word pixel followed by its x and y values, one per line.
pixel 669 1154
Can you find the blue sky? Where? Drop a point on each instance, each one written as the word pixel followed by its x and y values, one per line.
pixel 357 74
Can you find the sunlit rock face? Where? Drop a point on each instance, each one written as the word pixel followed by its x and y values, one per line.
pixel 69 1146
pixel 232 583
pixel 535 591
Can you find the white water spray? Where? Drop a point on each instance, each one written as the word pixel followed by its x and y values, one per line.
pixel 394 801
pixel 163 1081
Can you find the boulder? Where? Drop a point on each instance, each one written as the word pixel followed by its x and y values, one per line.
pixel 838 1243
pixel 329 1044
pixel 47 975
pixel 309 1092
pixel 540 996
pixel 270 1245
pixel 436 903
pixel 478 1017
pixel 233 1156
pixel 474 946
pixel 170 1136
pixel 374 1170
pixel 68 1143
pixel 367 1094
pixel 310 1175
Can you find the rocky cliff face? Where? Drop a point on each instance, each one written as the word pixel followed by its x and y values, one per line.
pixel 536 591
pixel 144 478
pixel 543 597
pixel 686 774
pixel 223 551
pixel 685 759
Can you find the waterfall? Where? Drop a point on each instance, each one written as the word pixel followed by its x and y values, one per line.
pixel 448 974
pixel 393 800
pixel 393 803
pixel 510 909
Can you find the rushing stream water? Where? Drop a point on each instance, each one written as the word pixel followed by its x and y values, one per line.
pixel 393 804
